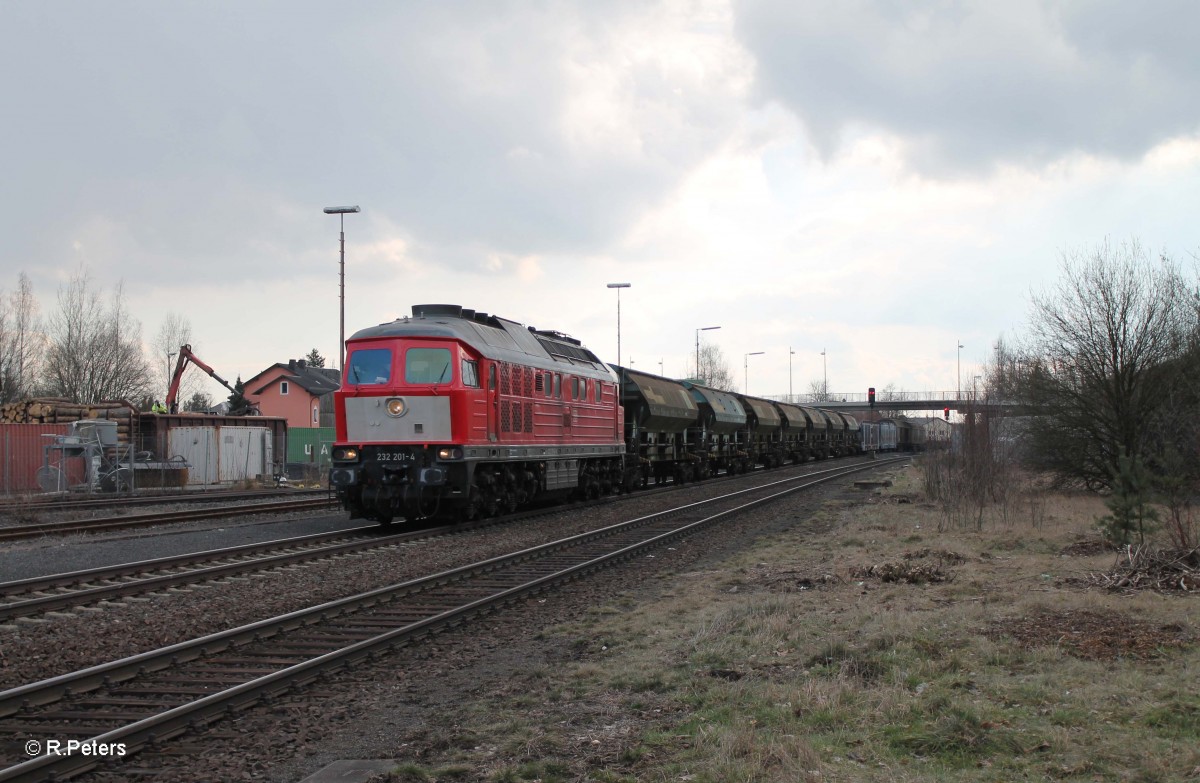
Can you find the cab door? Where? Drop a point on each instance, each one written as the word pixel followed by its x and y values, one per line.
pixel 493 401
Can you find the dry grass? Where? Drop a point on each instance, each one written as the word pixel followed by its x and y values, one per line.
pixel 870 645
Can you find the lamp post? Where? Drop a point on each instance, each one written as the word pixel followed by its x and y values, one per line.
pixel 341 212
pixel 791 353
pixel 825 375
pixel 619 286
pixel 698 331
pixel 746 368
pixel 958 390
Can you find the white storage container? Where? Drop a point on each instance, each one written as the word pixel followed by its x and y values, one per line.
pixel 198 447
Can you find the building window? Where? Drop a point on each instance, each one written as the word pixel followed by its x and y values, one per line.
pixel 283 387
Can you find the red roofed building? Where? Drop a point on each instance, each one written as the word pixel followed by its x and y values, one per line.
pixel 295 391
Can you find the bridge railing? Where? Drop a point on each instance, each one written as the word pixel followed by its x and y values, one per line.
pixel 891 396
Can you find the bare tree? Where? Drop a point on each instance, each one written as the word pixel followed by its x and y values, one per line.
pixel 94 350
pixel 20 342
pixel 174 331
pixel 889 394
pixel 1106 356
pixel 714 370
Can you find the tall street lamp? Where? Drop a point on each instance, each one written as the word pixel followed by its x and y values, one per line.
pixel 958 391
pixel 791 353
pixel 619 286
pixel 698 331
pixel 825 375
pixel 341 212
pixel 746 368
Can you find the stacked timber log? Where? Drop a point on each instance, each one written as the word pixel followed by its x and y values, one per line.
pixel 58 410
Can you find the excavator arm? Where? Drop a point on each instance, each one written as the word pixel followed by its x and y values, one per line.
pixel 186 356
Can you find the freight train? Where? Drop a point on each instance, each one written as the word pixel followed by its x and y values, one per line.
pixel 454 413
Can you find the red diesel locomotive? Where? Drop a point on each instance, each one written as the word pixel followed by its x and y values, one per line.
pixel 457 413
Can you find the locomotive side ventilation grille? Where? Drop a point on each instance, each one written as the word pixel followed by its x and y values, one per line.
pixel 529 382
pixel 505 373
pixel 517 425
pixel 505 418
pixel 529 417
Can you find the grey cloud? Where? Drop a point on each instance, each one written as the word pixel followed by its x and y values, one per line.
pixel 970 85
pixel 218 124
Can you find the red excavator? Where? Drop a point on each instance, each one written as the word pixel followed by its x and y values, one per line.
pixel 185 356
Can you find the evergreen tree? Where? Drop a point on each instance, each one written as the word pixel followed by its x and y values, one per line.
pixel 315 359
pixel 238 404
pixel 1129 503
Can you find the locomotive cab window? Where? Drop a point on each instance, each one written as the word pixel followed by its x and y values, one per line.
pixel 598 387
pixel 369 366
pixel 470 373
pixel 574 388
pixel 492 377
pixel 427 365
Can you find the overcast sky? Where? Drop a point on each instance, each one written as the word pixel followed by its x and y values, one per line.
pixel 879 180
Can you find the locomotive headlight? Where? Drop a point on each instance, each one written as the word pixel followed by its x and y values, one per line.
pixel 396 407
pixel 345 454
pixel 450 453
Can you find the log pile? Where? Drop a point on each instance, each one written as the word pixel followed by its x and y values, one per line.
pixel 58 410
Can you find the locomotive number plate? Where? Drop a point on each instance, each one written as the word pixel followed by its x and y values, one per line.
pixel 395 456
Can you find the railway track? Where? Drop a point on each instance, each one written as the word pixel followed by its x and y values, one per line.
pixel 44 505
pixel 66 591
pixel 149 698
pixel 16 532
pixel 37 595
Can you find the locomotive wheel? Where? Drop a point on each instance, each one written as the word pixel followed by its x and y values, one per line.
pixel 470 510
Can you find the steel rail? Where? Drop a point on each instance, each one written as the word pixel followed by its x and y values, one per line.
pixel 146 520
pixel 79 587
pixel 203 710
pixel 41 505
pixel 67 598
